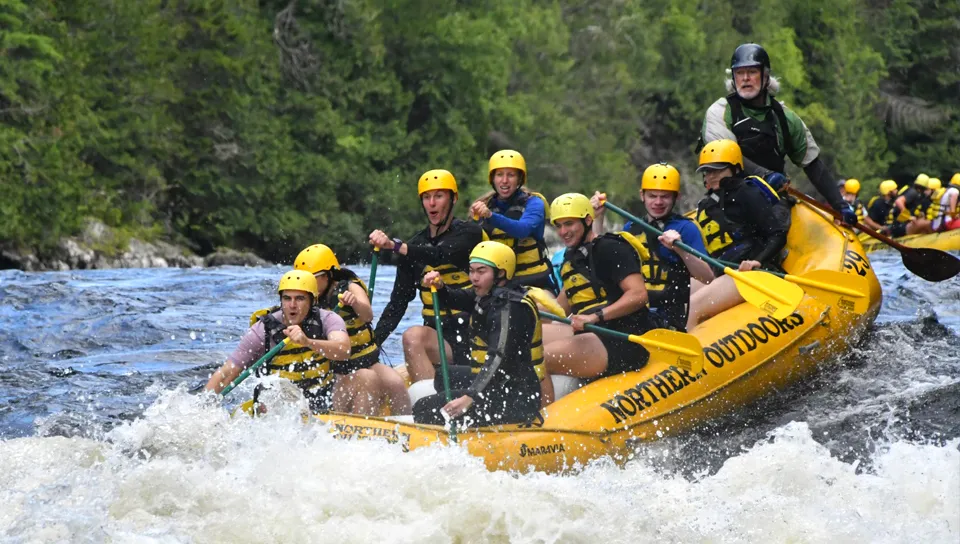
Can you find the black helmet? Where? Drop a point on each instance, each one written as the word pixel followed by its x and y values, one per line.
pixel 750 54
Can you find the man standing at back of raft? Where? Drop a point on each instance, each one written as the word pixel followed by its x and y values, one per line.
pixel 444 246
pixel 766 130
pixel 500 382
pixel 602 285
pixel 317 337
pixel 515 216
pixel 668 271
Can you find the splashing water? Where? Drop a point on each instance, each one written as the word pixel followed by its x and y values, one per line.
pixel 102 442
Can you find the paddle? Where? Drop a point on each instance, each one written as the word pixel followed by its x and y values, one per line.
pixel 928 263
pixel 773 295
pixel 666 347
pixel 830 286
pixel 443 357
pixel 250 369
pixel 373 273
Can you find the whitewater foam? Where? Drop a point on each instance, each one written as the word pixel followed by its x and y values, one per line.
pixel 186 471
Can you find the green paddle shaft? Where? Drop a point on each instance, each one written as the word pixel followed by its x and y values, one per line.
pixel 443 357
pixel 373 273
pixel 589 327
pixel 653 230
pixel 260 362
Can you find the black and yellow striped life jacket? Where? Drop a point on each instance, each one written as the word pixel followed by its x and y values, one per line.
pixel 299 364
pixel 933 210
pixel 667 281
pixel 532 262
pixel 478 344
pixel 890 214
pixel 362 343
pixel 585 293
pixel 453 278
pixel 859 209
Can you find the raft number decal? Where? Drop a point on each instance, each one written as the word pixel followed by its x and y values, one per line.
pixel 725 350
pixel 854 261
pixel 392 436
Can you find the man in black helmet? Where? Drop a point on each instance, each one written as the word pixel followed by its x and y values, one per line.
pixel 766 130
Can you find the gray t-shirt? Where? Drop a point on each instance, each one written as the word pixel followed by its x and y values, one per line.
pixel 252 346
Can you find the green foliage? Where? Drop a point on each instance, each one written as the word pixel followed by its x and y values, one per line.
pixel 271 125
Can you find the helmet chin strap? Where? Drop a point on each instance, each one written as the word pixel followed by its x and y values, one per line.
pixel 586 229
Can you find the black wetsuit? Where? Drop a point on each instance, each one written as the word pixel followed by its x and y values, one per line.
pixel 504 385
pixel 748 228
pixel 451 247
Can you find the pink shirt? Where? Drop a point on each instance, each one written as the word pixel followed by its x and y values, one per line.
pixel 251 345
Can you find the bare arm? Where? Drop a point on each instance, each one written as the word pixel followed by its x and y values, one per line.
pixel 699 270
pixel 336 347
pixel 223 377
pixel 361 304
pixel 634 298
pixel 871 223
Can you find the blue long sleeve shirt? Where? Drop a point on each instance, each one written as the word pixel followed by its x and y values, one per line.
pixel 530 224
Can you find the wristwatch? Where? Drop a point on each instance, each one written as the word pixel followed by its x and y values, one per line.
pixel 600 316
pixel 397 243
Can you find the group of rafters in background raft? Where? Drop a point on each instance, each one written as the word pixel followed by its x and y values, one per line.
pixel 492 276
pixel 925 206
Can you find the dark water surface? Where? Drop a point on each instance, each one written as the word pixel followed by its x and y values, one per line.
pixel 101 442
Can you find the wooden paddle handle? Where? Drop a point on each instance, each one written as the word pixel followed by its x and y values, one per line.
pixel 863 228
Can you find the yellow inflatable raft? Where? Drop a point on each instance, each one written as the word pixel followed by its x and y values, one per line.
pixel 945 241
pixel 747 354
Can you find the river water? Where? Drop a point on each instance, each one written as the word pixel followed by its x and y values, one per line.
pixel 100 440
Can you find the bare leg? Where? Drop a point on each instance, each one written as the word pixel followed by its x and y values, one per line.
pixel 696 285
pixel 546 391
pixel 554 331
pixel 358 393
pixel 919 226
pixel 421 353
pixel 395 389
pixel 720 295
pixel 581 356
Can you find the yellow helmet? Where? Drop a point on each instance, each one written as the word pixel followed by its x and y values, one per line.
pixel 888 186
pixel 852 186
pixel 508 158
pixel 437 179
pixel 316 258
pixel 495 255
pixel 660 177
pixel 955 180
pixel 720 154
pixel 935 184
pixel 922 180
pixel 299 280
pixel 570 205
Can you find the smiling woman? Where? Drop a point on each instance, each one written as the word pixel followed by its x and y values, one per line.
pixel 515 216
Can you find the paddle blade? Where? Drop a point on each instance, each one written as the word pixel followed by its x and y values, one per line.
pixel 930 264
pixel 848 292
pixel 778 297
pixel 672 348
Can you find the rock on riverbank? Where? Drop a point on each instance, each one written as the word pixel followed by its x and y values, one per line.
pixel 96 248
